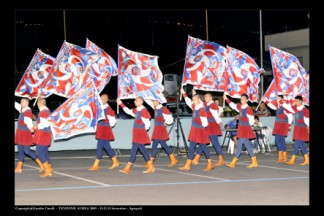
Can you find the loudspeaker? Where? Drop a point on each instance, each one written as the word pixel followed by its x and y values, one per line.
pixel 170 83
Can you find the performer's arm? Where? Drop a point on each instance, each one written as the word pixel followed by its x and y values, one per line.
pixel 146 119
pixel 306 117
pixel 231 104
pixel 187 99
pixel 215 115
pixel 17 107
pixel 289 107
pixel 290 118
pixel 111 117
pixel 29 121
pixel 125 108
pixel 43 123
pixel 203 117
pixel 249 114
pixel 167 116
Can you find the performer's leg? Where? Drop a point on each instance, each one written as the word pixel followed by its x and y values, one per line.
pixel 247 144
pixel 21 156
pixel 111 154
pixel 29 152
pixel 192 147
pixel 304 151
pixel 165 147
pixel 198 153
pixel 134 149
pixel 279 144
pixel 284 149
pixel 40 153
pixel 151 167
pixel 215 141
pixel 209 161
pixel 294 156
pixel 96 163
pixel 154 147
pixel 239 147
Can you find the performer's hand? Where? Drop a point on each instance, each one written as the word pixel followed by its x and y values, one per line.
pixel 31 130
pixel 182 91
pixel 224 96
pixel 35 127
pixel 118 101
pixel 194 92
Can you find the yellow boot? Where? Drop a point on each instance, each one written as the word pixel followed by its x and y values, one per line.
pixel 126 170
pixel 150 168
pixel 95 165
pixel 306 160
pixel 146 165
pixel 173 160
pixel 47 170
pixel 284 156
pixel 254 163
pixel 115 163
pixel 209 165
pixel 186 166
pixel 50 168
pixel 19 167
pixel 195 161
pixel 292 160
pixel 220 161
pixel 280 157
pixel 233 163
pixel 41 167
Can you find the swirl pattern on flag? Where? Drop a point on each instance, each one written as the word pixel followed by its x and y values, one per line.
pixel 35 74
pixel 271 93
pixel 69 71
pixel 288 74
pixel 102 70
pixel 244 74
pixel 139 75
pixel 77 115
pixel 205 64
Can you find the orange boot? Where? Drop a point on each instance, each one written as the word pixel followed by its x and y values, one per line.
pixel 284 156
pixel 50 168
pixel 233 163
pixel 306 160
pixel 47 170
pixel 150 168
pixel 186 166
pixel 19 167
pixel 41 167
pixel 151 159
pixel 292 160
pixel 220 161
pixel 254 163
pixel 173 160
pixel 280 157
pixel 195 161
pixel 126 170
pixel 209 165
pixel 115 163
pixel 95 165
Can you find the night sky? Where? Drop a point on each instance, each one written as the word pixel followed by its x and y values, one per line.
pixel 157 32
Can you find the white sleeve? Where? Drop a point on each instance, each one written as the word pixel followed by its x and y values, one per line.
pixel 43 123
pixel 204 121
pixel 288 107
pixel 306 120
pixel 271 106
pixel 112 120
pixel 149 102
pixel 234 106
pixel 147 123
pixel 290 117
pixel 17 107
pixel 128 111
pixel 168 118
pixel 220 110
pixel 215 115
pixel 188 102
pixel 29 122
pixel 251 119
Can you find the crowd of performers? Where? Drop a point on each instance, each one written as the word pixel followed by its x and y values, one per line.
pixel 205 129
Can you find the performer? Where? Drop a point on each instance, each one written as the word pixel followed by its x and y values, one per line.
pixel 244 130
pixel 162 118
pixel 140 136
pixel 301 129
pixel 213 129
pixel 198 134
pixel 104 135
pixel 281 126
pixel 43 137
pixel 24 138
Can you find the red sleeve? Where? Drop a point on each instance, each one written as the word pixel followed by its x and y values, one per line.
pixel 146 114
pixel 185 95
pixel 294 108
pixel 249 111
pixel 228 101
pixel 202 112
pixel 166 111
pixel 122 105
pixel 238 106
pixel 134 110
pixel 29 114
pixel 43 114
pixel 214 106
pixel 306 112
pixel 111 112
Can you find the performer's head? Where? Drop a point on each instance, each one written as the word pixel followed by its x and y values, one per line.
pixel 196 99
pixel 217 101
pixel 208 97
pixel 244 99
pixel 41 102
pixel 104 98
pixel 138 101
pixel 299 100
pixel 24 102
pixel 156 103
pixel 279 97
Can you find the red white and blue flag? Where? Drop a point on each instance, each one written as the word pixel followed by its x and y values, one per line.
pixel 69 71
pixel 288 74
pixel 204 66
pixel 244 74
pixel 271 93
pixel 139 75
pixel 103 69
pixel 35 74
pixel 77 115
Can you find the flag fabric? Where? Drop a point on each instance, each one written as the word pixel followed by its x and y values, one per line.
pixel 205 64
pixel 271 93
pixel 69 71
pixel 244 74
pixel 139 75
pixel 306 87
pixel 288 74
pixel 77 115
pixel 103 69
pixel 35 74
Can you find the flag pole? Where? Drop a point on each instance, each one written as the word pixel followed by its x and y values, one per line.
pixel 64 24
pixel 261 51
pixel 206 15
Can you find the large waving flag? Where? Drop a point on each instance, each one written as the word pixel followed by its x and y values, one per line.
pixel 102 70
pixel 78 114
pixel 271 93
pixel 139 75
pixel 35 74
pixel 205 64
pixel 69 71
pixel 288 74
pixel 244 74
